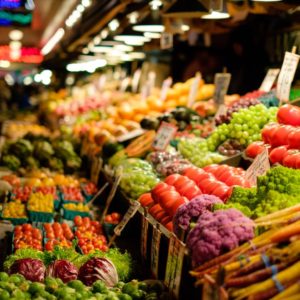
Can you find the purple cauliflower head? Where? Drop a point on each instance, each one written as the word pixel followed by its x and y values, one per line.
pixel 192 210
pixel 217 233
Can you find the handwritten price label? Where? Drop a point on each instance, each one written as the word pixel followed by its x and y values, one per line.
pixel 222 81
pixel 155 251
pixel 259 167
pixel 194 90
pixel 165 87
pixel 164 135
pixel 286 76
pixel 129 214
pixel 269 80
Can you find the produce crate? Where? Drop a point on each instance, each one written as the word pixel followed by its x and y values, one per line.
pixel 71 214
pixel 37 216
pixel 109 228
pixel 16 221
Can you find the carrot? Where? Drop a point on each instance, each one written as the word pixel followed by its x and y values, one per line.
pixel 245 261
pixel 293 297
pixel 286 232
pixel 293 289
pixel 284 276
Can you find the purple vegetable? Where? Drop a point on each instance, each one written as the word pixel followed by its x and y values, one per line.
pixel 98 269
pixel 31 269
pixel 217 233
pixel 192 210
pixel 63 269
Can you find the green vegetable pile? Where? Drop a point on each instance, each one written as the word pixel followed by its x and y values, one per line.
pixel 16 287
pixel 57 155
pixel 278 189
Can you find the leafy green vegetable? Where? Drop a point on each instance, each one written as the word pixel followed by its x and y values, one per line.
pixel 244 209
pixel 244 196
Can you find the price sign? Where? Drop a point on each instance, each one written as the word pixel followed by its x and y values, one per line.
pixel 286 76
pixel 259 167
pixel 164 135
pixel 165 87
pixel 222 81
pixel 155 251
pixel 144 237
pixel 194 90
pixel 124 84
pixel 269 80
pixel 97 163
pixel 136 80
pixel 130 135
pixel 166 40
pixel 129 214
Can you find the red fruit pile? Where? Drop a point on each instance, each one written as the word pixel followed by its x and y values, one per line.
pixel 26 236
pixel 89 235
pixel 72 194
pixel 90 188
pixel 113 218
pixel 22 193
pixel 58 234
pixel 45 190
pixel 281 139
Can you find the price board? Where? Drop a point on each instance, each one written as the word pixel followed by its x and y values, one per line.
pixel 144 236
pixel 164 135
pixel 286 76
pixel 155 251
pixel 222 81
pixel 129 214
pixel 194 90
pixel 269 80
pixel 166 41
pixel 259 167
pixel 165 87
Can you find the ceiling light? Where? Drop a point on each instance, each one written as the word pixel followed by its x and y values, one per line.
pixel 37 78
pixel 4 64
pixel 126 57
pixel 46 81
pixel 155 4
pixel 132 39
pixel 16 35
pixel 76 14
pixel 80 8
pixel 15 54
pixel 104 34
pixel 133 17
pixel 53 41
pixel 97 40
pixel 91 45
pixel 216 15
pixel 9 79
pixel 85 50
pixel 152 35
pixel 123 48
pixel 149 28
pixel 101 49
pixel 137 55
pixel 69 22
pixel 46 73
pixel 113 25
pixel 27 80
pixel 185 27
pixel 186 9
pixel 110 43
pixel 15 45
pixel 86 3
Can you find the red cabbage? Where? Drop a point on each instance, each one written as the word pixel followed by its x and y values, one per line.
pixel 63 269
pixel 98 269
pixel 31 269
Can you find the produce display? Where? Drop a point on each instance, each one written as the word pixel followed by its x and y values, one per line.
pixel 15 210
pixel 26 236
pixel 72 194
pixel 39 202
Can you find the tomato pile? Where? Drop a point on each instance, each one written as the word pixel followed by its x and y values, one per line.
pixel 89 234
pixel 22 193
pixel 113 218
pixel 72 194
pixel 26 236
pixel 90 188
pixel 282 139
pixel 48 190
pixel 58 234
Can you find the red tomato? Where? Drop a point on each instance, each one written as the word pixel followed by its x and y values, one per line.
pixel 280 135
pixel 181 181
pixel 169 226
pixel 268 131
pixel 78 221
pixel 290 159
pixel 167 199
pixel 195 174
pixel 234 180
pixel 158 190
pixel 146 199
pixel 277 154
pixel 116 216
pixel 254 149
pixel 289 114
pixel 160 215
pixel 221 169
pixel 176 205
pixel 108 219
pixel 207 185
pixel 172 178
pixel 155 209
pixel 211 168
pixel 221 191
pixel 190 191
pixel 294 139
pixel 26 227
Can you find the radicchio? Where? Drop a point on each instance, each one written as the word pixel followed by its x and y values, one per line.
pixel 63 269
pixel 98 269
pixel 31 269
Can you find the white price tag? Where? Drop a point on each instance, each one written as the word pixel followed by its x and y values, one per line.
pixel 194 90
pixel 144 237
pixel 165 87
pixel 164 135
pixel 286 76
pixel 259 167
pixel 155 251
pixel 166 40
pixel 222 81
pixel 269 80
pixel 136 80
pixel 129 214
